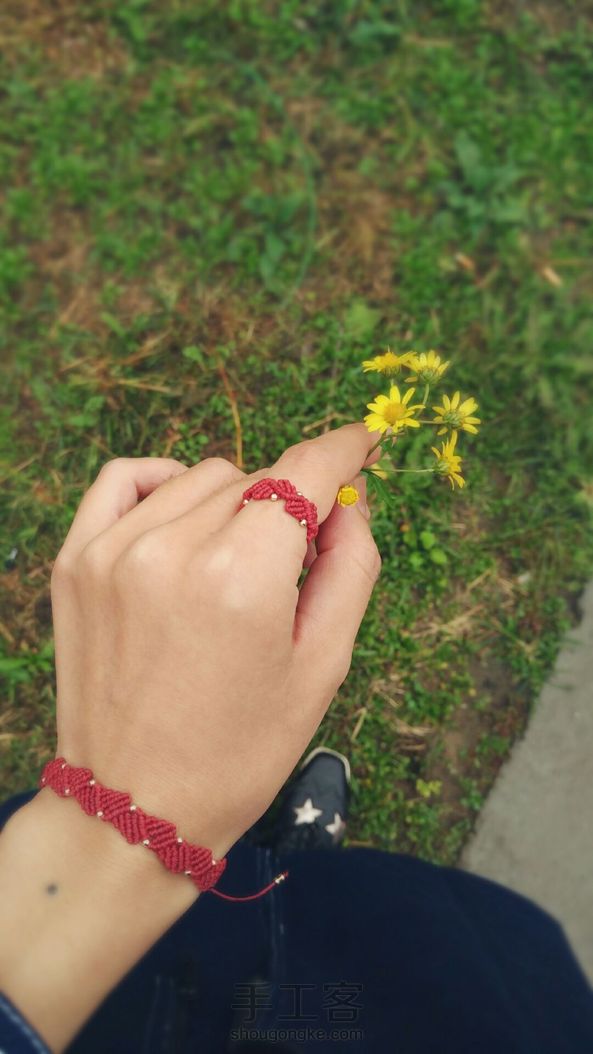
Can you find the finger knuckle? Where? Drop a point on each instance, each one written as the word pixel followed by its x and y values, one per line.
pixel 368 559
pixel 220 576
pixel 307 456
pixel 145 561
pixel 62 573
pixel 227 587
pixel 222 471
pixel 214 564
pixel 94 562
pixel 114 467
pixel 172 462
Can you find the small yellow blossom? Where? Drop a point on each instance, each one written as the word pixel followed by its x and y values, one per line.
pixel 449 463
pixel 427 367
pixel 453 414
pixel 392 412
pixel 347 495
pixel 389 363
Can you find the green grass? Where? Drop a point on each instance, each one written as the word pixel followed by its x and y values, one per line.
pixel 271 191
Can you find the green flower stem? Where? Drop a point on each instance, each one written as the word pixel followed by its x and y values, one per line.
pixel 413 470
pixel 378 443
pixel 426 394
pixel 384 439
pixel 369 471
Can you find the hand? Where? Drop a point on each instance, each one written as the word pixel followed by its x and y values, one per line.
pixel 191 671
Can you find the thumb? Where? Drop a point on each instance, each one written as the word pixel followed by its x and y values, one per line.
pixel 338 587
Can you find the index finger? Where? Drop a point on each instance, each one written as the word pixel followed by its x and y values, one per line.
pixel 320 466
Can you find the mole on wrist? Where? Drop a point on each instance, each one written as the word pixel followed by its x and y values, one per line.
pixel 65 847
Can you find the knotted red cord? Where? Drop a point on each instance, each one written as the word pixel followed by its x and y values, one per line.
pixel 295 503
pixel 160 836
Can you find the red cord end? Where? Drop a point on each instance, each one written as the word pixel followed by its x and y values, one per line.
pixel 254 896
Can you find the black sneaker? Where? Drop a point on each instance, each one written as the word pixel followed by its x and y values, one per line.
pixel 315 807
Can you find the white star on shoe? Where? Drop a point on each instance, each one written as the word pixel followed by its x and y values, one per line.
pixel 306 813
pixel 337 827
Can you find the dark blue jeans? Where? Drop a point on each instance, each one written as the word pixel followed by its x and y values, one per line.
pixel 357 951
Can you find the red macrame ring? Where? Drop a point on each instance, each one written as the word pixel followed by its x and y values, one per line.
pixel 137 826
pixel 295 503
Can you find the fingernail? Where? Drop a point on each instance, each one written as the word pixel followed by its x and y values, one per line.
pixel 361 485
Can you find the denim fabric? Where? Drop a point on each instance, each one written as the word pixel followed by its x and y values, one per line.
pixel 358 951
pixel 16 1034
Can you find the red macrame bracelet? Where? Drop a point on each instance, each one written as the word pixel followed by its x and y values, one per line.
pixel 137 826
pixel 295 503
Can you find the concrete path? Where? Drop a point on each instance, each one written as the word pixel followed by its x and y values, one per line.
pixel 535 833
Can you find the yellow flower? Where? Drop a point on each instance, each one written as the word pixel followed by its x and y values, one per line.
pixel 389 363
pixel 347 495
pixel 427 367
pixel 453 414
pixel 449 463
pixel 392 412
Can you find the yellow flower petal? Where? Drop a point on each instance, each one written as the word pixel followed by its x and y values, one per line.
pixel 378 406
pixel 455 400
pixel 375 423
pixel 446 403
pixel 468 406
pixel 408 396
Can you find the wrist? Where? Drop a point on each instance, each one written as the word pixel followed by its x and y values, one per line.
pixel 76 901
pixel 58 835
pixel 135 824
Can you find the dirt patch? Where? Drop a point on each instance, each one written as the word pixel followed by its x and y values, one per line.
pixel 75 45
pixel 473 744
pixel 555 16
